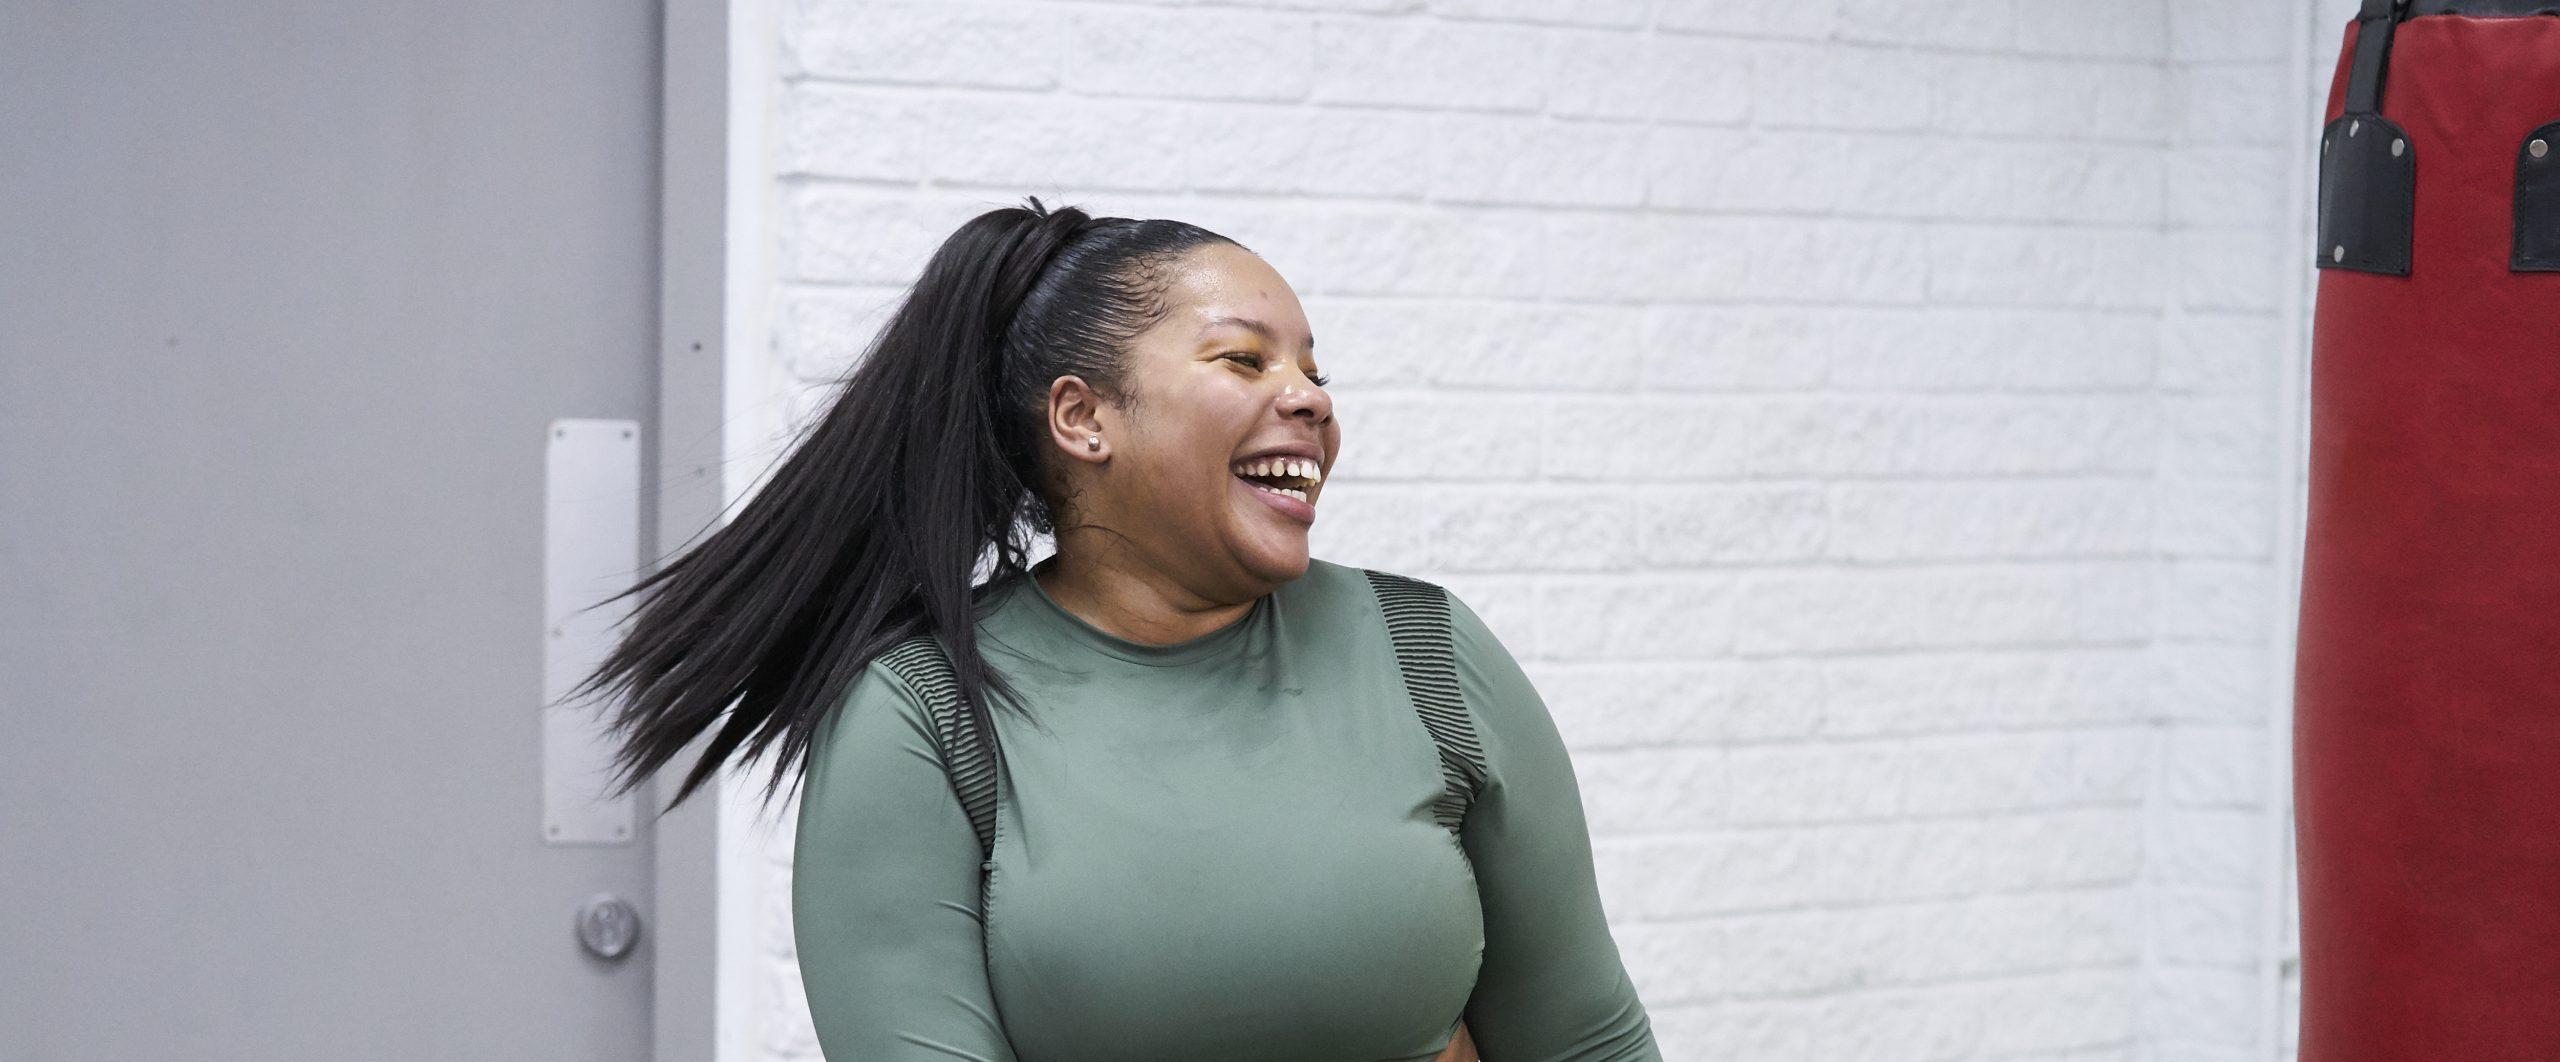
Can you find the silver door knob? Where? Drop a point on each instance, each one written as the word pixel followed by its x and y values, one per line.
pixel 607 926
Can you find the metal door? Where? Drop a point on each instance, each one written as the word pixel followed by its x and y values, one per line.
pixel 289 294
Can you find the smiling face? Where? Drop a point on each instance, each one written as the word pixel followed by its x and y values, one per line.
pixel 1228 373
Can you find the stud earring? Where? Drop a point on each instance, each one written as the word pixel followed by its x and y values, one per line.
pixel 1093 442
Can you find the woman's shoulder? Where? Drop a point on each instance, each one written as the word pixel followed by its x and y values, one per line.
pixel 878 723
pixel 1322 570
pixel 1500 706
pixel 1364 584
pixel 886 695
pixel 1384 586
pixel 1370 597
pixel 1327 592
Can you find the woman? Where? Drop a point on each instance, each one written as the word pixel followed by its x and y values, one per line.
pixel 1222 831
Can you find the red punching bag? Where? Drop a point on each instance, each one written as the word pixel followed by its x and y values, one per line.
pixel 2427 707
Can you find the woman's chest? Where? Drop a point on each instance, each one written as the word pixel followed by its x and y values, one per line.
pixel 1268 885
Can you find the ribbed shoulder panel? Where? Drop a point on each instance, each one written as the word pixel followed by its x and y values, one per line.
pixel 921 663
pixel 1418 622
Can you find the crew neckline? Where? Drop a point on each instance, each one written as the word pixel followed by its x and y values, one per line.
pixel 1109 644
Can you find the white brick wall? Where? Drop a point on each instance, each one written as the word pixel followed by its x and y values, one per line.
pixel 2226 578
pixel 1859 415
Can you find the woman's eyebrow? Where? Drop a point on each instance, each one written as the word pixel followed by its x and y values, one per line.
pixel 1257 327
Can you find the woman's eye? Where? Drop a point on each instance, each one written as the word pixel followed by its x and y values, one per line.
pixel 1255 360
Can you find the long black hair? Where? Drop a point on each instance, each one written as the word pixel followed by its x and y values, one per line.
pixel 874 526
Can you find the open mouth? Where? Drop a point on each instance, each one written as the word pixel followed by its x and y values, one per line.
pixel 1292 477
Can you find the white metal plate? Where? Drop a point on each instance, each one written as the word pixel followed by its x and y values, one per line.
pixel 590 551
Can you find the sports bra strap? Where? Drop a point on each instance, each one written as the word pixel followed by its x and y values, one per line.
pixel 1418 622
pixel 927 670
pixel 1417 614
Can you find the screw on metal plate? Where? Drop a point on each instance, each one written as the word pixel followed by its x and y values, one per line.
pixel 2538 148
pixel 607 926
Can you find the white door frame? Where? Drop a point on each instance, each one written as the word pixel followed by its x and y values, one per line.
pixel 713 289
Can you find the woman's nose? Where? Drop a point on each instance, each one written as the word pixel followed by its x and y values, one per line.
pixel 1311 401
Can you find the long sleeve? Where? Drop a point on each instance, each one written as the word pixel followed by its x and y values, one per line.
pixel 1552 987
pixel 884 891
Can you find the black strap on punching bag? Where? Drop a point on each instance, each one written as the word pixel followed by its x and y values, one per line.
pixel 2373 51
pixel 2368 168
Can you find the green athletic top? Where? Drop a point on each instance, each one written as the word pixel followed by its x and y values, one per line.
pixel 1223 848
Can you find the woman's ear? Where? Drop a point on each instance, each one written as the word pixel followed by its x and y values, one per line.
pixel 1075 420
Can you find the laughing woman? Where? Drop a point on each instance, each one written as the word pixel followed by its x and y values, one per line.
pixel 1240 803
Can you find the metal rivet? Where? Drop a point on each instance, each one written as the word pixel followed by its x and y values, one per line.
pixel 2397 145
pixel 2354 125
pixel 2538 148
pixel 2324 145
pixel 2338 253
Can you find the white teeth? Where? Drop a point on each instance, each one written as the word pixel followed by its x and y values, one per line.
pixel 1293 467
pixel 1298 494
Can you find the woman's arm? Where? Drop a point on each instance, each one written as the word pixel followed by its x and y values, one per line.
pixel 1552 988
pixel 884 890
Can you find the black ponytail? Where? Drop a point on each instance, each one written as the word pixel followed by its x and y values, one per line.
pixel 874 527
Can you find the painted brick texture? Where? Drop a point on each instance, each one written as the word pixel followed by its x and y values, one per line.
pixel 2223 576
pixel 1859 416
